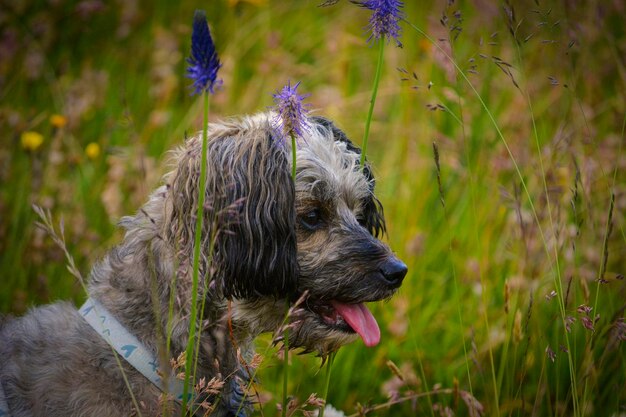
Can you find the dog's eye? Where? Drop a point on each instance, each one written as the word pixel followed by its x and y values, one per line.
pixel 311 219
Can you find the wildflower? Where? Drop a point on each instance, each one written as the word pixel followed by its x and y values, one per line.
pixel 292 113
pixel 203 67
pixel 475 408
pixel 587 323
pixel 211 387
pixel 584 309
pixel 315 401
pixel 292 117
pixel 178 363
pixel 394 368
pixel 330 411
pixel 92 150
pixel 383 23
pixel 550 353
pixel 31 141
pixel 204 62
pixel 620 329
pixel 424 45
pixel 384 19
pixel 58 121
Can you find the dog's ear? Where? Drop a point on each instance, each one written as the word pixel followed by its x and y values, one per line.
pixel 374 216
pixel 249 211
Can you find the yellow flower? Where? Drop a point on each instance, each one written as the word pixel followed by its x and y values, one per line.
pixel 92 150
pixel 424 45
pixel 31 140
pixel 58 120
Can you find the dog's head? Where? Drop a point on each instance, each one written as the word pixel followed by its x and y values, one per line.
pixel 273 239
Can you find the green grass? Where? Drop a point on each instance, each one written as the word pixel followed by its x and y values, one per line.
pixel 533 178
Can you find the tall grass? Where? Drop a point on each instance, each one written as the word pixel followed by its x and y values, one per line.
pixel 528 115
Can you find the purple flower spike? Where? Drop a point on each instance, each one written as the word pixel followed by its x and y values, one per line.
pixel 292 113
pixel 203 63
pixel 384 19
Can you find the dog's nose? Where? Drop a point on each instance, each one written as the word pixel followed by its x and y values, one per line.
pixel 394 271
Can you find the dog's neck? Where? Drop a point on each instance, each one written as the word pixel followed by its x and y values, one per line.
pixel 134 282
pixel 122 289
pixel 251 318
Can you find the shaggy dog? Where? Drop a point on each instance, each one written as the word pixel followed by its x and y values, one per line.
pixel 266 243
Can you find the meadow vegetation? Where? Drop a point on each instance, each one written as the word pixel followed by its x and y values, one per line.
pixel 497 141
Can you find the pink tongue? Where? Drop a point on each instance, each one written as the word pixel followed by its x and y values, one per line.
pixel 361 320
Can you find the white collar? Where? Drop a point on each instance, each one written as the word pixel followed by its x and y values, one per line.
pixel 128 346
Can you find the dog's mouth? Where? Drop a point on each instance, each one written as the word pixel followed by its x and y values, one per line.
pixel 348 318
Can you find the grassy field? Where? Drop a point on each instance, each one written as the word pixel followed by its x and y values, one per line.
pixel 497 140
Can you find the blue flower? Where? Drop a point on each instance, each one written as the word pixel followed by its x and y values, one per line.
pixel 292 113
pixel 384 19
pixel 203 63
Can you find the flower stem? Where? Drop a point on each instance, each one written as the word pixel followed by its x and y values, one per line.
pixel 286 333
pixel 379 68
pixel 286 359
pixel 293 158
pixel 189 354
pixel 329 364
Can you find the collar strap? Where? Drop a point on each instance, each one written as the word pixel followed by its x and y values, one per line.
pixel 128 346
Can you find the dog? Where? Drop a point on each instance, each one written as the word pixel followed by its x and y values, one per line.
pixel 272 248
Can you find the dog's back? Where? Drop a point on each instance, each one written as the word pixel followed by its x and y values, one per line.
pixel 54 364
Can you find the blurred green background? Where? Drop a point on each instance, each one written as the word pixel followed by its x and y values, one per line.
pixel 531 173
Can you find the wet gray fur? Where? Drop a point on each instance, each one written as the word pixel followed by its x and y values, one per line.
pixel 263 255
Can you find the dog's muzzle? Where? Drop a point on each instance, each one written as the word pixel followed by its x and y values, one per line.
pixel 346 311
